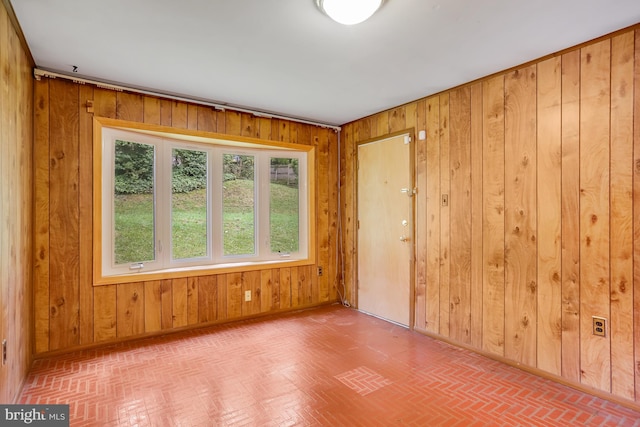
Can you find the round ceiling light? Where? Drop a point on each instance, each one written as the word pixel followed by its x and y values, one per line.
pixel 349 12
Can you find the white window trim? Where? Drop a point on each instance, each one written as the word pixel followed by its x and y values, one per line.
pixel 164 265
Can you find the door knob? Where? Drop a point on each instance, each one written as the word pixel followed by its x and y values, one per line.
pixel 404 239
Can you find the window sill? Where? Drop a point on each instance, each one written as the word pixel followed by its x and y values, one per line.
pixel 237 267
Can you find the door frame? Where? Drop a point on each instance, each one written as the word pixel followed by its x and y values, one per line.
pixel 412 225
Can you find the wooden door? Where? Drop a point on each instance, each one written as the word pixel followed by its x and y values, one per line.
pixel 385 228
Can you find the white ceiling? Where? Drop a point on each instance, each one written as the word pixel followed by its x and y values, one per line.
pixel 287 58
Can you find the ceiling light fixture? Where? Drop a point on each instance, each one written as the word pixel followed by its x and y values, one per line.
pixel 349 12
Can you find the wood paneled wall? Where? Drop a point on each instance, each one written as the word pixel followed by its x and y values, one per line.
pixel 542 167
pixel 69 310
pixel 16 168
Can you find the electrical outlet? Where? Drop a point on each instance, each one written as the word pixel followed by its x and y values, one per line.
pixel 247 295
pixel 599 326
pixel 320 271
pixel 4 352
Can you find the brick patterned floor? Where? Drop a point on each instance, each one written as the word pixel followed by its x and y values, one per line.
pixel 301 369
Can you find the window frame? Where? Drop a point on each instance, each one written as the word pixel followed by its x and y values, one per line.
pixel 168 138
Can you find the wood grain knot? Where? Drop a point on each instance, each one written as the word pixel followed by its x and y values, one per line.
pixel 623 90
pixel 134 297
pixel 532 287
pixel 622 287
pixel 588 240
pixel 637 166
pixel 60 301
pixel 525 321
pixel 556 277
pixel 594 219
pixel 588 58
pixel 54 311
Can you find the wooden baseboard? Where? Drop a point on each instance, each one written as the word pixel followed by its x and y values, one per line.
pixel 115 342
pixel 635 406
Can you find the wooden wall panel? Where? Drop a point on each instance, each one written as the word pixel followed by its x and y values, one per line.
pixel 63 215
pixel 235 296
pixel 104 103
pixel 594 212
pixel 636 209
pixel 41 216
pixel 348 219
pixel 493 245
pixel 179 114
pixel 432 321
pixel 621 233
pixel 476 214
pixel 285 288
pixel 16 209
pixel 69 310
pixel 207 119
pixel 192 117
pixel 151 110
pixel 266 291
pixel 192 300
pixel 552 224
pixel 130 315
pixel 251 283
pixel 460 212
pixel 179 306
pixel 4 189
pixel 549 188
pixel 321 142
pixel 571 216
pixel 85 206
pixel 153 306
pixel 445 215
pixel 166 304
pixel 421 219
pixel 129 106
pixel 520 215
pixel 207 299
pixel 397 119
pixel 334 276
pixel 105 316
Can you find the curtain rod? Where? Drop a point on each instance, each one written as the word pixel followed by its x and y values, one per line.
pixel 38 73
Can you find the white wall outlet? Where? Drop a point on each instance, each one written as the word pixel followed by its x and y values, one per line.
pixel 247 295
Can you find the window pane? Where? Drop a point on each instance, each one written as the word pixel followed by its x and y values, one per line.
pixel 133 202
pixel 238 205
pixel 189 204
pixel 284 205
